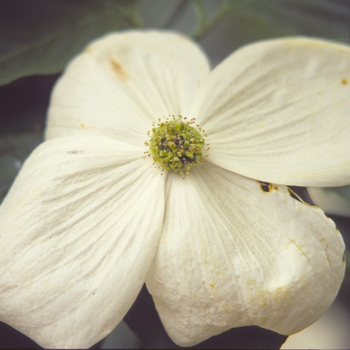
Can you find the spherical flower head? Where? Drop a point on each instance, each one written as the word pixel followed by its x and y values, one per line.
pixel 177 145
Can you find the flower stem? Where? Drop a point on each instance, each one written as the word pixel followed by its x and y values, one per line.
pixel 133 15
pixel 205 24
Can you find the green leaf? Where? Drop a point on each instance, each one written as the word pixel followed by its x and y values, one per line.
pixel 323 18
pixel 41 36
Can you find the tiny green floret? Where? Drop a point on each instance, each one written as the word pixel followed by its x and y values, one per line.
pixel 176 145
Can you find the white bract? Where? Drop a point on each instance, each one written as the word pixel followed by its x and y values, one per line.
pixel 333 200
pixel 90 218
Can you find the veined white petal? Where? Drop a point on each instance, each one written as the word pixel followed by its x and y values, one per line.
pixel 79 230
pixel 333 200
pixel 125 81
pixel 278 111
pixel 232 255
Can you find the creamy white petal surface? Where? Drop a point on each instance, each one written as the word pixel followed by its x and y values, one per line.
pixel 333 200
pixel 233 255
pixel 278 111
pixel 74 249
pixel 122 83
pixel 79 229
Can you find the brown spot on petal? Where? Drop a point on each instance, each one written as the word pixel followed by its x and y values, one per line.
pixel 344 81
pixel 119 70
pixel 265 187
pixel 268 187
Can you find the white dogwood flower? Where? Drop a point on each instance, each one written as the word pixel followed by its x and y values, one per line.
pixel 90 218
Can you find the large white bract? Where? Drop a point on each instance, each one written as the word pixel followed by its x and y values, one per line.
pixel 89 218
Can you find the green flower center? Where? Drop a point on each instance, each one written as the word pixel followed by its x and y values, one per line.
pixel 176 145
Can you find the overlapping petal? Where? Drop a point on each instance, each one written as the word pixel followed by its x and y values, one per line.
pixel 278 111
pixel 125 81
pixel 333 200
pixel 74 249
pixel 232 254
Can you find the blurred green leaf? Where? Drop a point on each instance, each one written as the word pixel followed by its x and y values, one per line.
pixel 247 21
pixel 40 36
pixel 322 18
